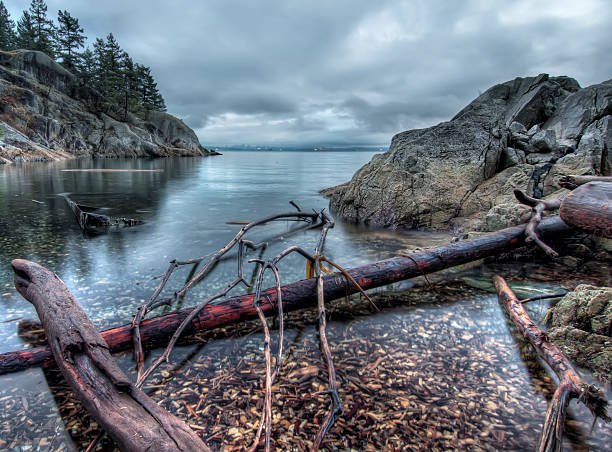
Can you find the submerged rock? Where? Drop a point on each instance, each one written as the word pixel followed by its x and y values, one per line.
pixel 522 134
pixel 581 324
pixel 47 114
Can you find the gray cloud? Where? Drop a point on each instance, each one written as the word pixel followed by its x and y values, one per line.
pixel 347 71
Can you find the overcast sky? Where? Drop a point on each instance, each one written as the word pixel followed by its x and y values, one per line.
pixel 342 71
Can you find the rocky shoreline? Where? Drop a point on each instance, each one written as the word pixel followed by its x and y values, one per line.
pixel 47 114
pixel 460 175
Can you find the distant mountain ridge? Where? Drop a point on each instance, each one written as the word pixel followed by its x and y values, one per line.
pixel 47 114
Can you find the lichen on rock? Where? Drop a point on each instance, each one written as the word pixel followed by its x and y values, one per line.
pixel 581 324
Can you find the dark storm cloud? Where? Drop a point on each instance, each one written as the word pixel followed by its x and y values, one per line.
pixel 345 71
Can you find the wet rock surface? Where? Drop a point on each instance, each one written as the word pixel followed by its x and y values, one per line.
pixel 47 114
pixel 581 324
pixel 522 134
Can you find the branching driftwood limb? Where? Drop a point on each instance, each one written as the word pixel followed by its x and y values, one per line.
pixel 211 260
pixel 302 294
pixel 571 385
pixel 336 408
pixel 538 206
pixel 131 418
pixel 265 422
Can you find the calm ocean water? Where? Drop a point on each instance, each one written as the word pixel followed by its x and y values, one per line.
pixel 455 378
pixel 185 209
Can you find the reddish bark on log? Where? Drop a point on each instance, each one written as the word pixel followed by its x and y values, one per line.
pixel 126 413
pixel 589 207
pixel 302 294
pixel 571 385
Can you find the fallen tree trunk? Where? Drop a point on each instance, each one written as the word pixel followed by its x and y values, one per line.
pixel 157 330
pixel 126 413
pixel 589 207
pixel 571 385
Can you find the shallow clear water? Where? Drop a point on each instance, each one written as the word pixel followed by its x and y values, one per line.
pixel 185 209
pixel 457 379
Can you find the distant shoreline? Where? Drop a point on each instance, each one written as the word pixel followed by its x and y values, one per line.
pixel 298 149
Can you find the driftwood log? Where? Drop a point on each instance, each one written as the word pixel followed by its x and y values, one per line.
pixel 589 207
pixel 570 182
pixel 127 414
pixel 96 223
pixel 302 294
pixel 571 385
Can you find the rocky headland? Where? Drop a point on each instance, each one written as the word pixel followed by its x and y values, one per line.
pixel 460 175
pixel 46 113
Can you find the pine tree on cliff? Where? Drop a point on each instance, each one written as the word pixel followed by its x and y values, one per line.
pixel 108 77
pixel 150 98
pixel 8 37
pixel 70 38
pixel 25 32
pixel 43 28
pixel 86 66
pixel 130 92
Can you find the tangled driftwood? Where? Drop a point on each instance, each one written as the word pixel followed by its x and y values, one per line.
pixel 588 207
pixel 156 331
pixel 275 300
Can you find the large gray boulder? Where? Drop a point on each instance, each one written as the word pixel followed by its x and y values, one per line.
pixel 522 134
pixel 45 114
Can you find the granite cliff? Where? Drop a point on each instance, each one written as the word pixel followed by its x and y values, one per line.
pixel 47 114
pixel 460 174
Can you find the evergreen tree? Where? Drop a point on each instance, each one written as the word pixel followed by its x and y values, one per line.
pixel 70 38
pixel 44 30
pixel 25 32
pixel 130 86
pixel 8 38
pixel 86 66
pixel 109 79
pixel 150 98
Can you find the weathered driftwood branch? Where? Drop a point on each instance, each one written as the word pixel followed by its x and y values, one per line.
pixel 538 206
pixel 336 405
pixel 265 422
pixel 571 385
pixel 589 207
pixel 127 414
pixel 211 261
pixel 302 294
pixel 95 222
pixel 571 182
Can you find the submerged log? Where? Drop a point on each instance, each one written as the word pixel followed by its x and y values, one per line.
pixel 589 207
pixel 126 413
pixel 302 294
pixel 94 222
pixel 571 385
